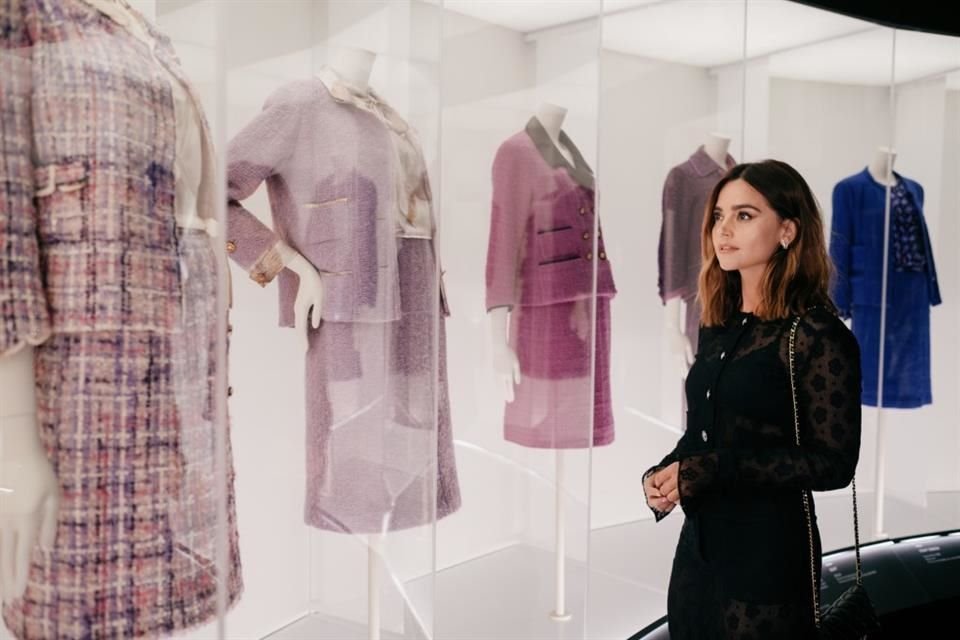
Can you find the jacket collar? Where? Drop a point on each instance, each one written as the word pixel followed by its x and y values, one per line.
pixel 704 165
pixel 865 174
pixel 580 171
pixel 369 100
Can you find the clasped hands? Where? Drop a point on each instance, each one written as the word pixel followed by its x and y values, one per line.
pixel 662 489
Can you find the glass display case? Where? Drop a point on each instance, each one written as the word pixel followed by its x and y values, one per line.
pixel 364 319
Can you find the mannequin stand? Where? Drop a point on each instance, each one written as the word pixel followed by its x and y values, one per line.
pixel 374 554
pixel 880 479
pixel 560 611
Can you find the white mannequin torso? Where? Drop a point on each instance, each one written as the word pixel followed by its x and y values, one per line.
pixel 551 116
pixel 717 145
pixel 354 66
pixel 881 166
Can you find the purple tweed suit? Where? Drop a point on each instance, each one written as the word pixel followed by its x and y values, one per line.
pixel 121 305
pixel 540 262
pixel 379 445
pixel 685 193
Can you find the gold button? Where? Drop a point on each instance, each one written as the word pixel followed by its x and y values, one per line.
pixel 229 391
pixel 231 246
pixel 603 256
pixel 586 235
pixel 589 255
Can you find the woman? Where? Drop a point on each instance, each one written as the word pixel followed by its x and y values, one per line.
pixel 743 563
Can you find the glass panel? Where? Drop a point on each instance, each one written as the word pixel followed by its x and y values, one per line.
pixel 530 288
pixel 343 442
pixel 671 122
pixel 917 439
pixel 108 164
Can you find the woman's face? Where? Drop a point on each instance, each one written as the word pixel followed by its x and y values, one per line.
pixel 746 230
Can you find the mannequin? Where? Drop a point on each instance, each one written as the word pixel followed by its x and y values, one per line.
pixel 354 66
pixel 29 492
pixel 881 166
pixel 507 370
pixel 716 146
pixel 505 362
pixel 551 116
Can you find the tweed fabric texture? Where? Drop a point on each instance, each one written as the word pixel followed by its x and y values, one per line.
pixel 555 403
pixel 379 439
pixel 685 193
pixel 122 306
pixel 127 421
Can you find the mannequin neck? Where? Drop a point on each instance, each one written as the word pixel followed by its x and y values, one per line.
pixel 881 166
pixel 716 146
pixel 551 117
pixel 354 66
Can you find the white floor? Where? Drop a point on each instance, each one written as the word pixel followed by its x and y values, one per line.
pixel 509 595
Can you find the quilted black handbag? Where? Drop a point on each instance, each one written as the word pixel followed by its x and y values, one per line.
pixel 851 616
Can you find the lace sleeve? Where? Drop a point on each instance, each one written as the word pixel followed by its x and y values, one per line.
pixel 667 460
pixel 828 394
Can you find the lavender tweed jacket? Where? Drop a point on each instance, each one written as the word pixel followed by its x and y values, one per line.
pixel 87 228
pixel 541 248
pixel 327 166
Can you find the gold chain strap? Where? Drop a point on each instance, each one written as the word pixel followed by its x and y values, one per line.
pixel 805 493
pixel 806 498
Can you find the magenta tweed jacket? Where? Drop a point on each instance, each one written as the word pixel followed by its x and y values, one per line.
pixel 541 248
pixel 328 170
pixel 86 178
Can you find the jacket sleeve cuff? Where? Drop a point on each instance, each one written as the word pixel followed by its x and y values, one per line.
pixel 267 266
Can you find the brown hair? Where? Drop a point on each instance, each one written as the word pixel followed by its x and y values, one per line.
pixel 796 278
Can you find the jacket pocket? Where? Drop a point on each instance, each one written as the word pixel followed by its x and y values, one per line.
pixel 327 220
pixel 559 259
pixel 61 194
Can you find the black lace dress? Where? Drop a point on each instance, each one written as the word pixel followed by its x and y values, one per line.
pixel 742 564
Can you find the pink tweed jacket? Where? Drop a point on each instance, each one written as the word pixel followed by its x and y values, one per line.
pixel 541 248
pixel 86 178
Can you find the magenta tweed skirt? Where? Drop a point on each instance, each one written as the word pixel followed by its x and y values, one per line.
pixel 379 441
pixel 552 404
pixel 127 421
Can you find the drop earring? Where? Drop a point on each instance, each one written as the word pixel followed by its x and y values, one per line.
pixel 784 244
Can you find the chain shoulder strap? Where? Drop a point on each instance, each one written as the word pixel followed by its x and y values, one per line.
pixel 806 494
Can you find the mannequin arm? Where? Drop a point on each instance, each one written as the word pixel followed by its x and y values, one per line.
pixel 29 492
pixel 308 306
pixel 505 363
pixel 678 341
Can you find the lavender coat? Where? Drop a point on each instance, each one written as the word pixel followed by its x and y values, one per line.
pixel 343 223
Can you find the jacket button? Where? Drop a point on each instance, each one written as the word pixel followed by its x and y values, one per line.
pixel 583 211
pixel 723 355
pixel 589 256
pixel 703 434
pixel 586 235
pixel 708 394
pixel 231 246
pixel 229 391
pixel 603 256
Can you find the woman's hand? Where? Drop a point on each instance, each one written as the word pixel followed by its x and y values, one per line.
pixel 656 498
pixel 665 483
